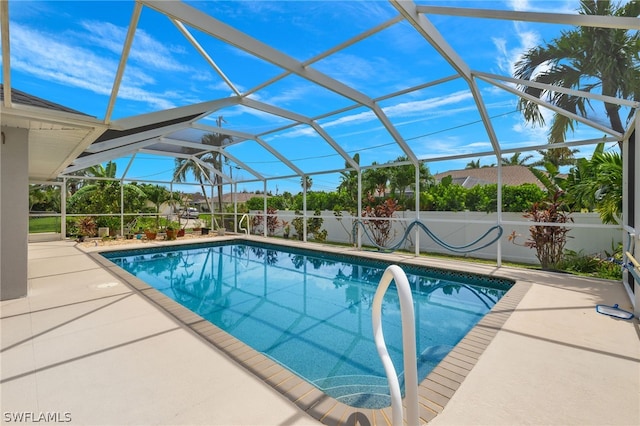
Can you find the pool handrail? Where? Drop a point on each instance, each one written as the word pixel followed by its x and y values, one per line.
pixel 244 216
pixel 408 345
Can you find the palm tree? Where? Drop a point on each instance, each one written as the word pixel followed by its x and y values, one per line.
pixel 44 197
pixel 185 166
pixel 157 195
pixel 403 177
pixel 557 156
pixel 375 180
pixel 349 181
pixel 473 164
pixel 586 59
pixel 306 182
pixel 515 160
pixel 103 196
pixel 596 184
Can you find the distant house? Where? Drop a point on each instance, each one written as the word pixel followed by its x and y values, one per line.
pixel 511 175
pixel 240 197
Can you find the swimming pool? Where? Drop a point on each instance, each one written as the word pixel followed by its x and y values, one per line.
pixel 311 312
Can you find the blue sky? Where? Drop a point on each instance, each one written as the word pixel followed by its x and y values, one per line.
pixel 68 52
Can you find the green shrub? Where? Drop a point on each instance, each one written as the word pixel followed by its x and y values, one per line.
pixel 520 198
pixel 593 265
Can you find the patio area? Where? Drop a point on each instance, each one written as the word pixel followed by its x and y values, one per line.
pixel 86 347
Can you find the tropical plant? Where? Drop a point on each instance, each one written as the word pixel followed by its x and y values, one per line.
pixel 273 223
pixel 551 178
pixel 44 198
pixel 548 240
pixel 448 196
pixel 103 195
pixel 349 184
pixel 314 226
pixel 376 217
pixel 157 195
pixel 214 159
pixel 86 226
pixel 596 184
pixel 404 176
pixel 557 156
pixel 298 224
pixel 374 180
pixel 473 164
pixel 586 59
pixel 595 265
pixel 306 182
pixel 515 160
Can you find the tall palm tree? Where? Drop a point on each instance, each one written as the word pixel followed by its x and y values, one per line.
pixel 586 59
pixel 306 182
pixel 184 167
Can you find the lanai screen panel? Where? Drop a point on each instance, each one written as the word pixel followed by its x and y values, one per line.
pixel 306 149
pixel 259 159
pixel 494 45
pixel 244 119
pixel 298 29
pixel 359 131
pixel 297 95
pixel 439 120
pixel 243 69
pixel 394 59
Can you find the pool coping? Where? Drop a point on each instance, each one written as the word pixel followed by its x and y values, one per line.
pixel 434 392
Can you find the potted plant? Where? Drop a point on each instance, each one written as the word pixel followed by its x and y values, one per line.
pixel 171 232
pixel 207 226
pixel 221 231
pixel 151 233
pixel 86 227
pixel 286 229
pixel 197 225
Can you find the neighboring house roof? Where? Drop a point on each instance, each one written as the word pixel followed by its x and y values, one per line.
pixel 241 197
pixel 511 175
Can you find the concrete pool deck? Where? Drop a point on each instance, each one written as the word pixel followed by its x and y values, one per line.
pixel 86 346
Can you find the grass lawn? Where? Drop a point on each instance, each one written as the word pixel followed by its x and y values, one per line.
pixel 44 224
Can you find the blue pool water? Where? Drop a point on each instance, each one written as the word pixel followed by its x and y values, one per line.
pixel 311 312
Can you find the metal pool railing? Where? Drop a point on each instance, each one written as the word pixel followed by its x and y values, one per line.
pixel 244 217
pixel 394 272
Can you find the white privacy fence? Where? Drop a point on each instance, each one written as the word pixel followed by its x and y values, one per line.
pixel 587 233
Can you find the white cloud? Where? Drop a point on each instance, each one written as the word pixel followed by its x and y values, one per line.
pixel 145 49
pixel 405 109
pixel 422 109
pixel 40 54
pixel 50 57
pixel 556 6
pixel 508 56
